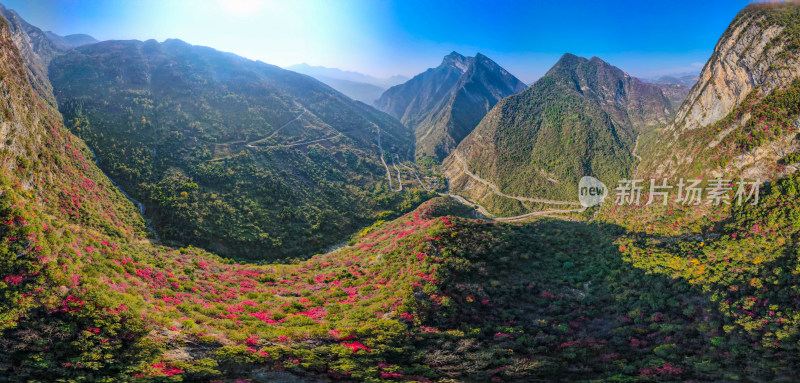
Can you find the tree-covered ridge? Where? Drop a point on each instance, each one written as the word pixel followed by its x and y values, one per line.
pixel 581 118
pixel 49 188
pixel 237 156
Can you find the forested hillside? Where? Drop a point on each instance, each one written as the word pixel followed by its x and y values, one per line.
pixel 581 118
pixel 229 154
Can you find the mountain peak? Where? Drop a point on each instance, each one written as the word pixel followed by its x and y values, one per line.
pixel 456 60
pixel 572 65
pixel 481 58
pixel 598 60
pixel 443 104
pixel 617 106
pixel 71 41
pixel 569 56
pixel 569 60
pixel 454 55
pixel 175 42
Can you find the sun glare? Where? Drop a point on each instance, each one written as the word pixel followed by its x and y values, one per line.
pixel 241 7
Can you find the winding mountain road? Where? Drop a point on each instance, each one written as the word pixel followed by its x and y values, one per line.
pixel 482 210
pixel 383 160
pixel 538 213
pixel 250 144
pixel 498 192
pixel 427 188
pixel 303 142
pixel 492 217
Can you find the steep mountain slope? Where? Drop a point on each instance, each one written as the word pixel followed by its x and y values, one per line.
pixel 741 118
pixel 37 50
pixel 443 104
pixel 355 85
pixel 52 198
pixel 238 156
pixel 581 118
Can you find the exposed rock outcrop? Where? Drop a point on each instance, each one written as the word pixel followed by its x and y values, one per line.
pixel 740 118
pixel 36 49
pixel 752 55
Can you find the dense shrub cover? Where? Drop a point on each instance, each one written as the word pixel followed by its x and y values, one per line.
pixel 214 146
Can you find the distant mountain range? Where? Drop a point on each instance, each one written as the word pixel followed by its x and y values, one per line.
pixel 443 104
pixel 71 41
pixel 355 85
pixel 675 87
pixel 684 79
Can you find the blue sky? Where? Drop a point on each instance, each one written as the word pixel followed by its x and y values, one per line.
pixel 383 38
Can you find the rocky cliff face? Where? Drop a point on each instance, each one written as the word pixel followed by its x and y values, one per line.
pixel 444 104
pixel 36 49
pixel 752 55
pixel 741 118
pixel 40 157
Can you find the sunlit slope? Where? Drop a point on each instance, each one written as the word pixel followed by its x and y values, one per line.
pixel 233 155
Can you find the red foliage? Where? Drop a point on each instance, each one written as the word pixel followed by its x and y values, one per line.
pixel 355 346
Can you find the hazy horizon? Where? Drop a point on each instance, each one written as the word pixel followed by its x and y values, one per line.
pixel 383 39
